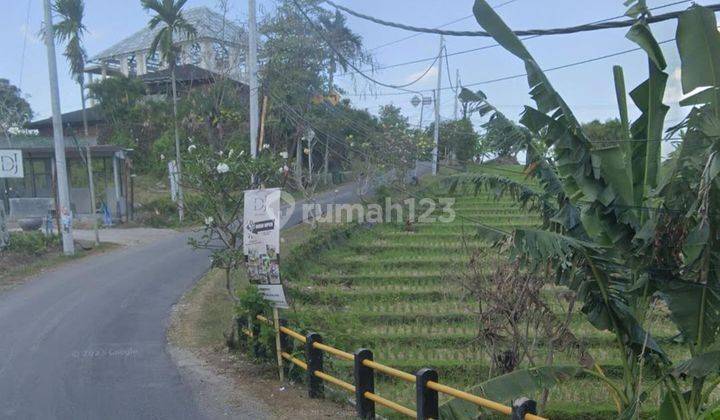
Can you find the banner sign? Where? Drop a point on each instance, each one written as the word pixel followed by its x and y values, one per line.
pixel 11 164
pixel 261 243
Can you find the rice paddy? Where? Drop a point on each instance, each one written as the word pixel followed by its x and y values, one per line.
pixel 391 290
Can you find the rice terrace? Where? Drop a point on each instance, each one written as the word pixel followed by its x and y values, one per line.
pixel 302 209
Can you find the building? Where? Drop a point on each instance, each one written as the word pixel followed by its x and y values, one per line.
pixel 219 47
pixel 34 194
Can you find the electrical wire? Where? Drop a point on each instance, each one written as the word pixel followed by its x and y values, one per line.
pixel 397 41
pixel 588 27
pixel 490 46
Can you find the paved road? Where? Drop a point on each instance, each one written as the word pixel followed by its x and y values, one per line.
pixel 87 341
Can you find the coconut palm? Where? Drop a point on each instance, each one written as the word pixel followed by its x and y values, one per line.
pixel 168 14
pixel 70 30
pixel 349 45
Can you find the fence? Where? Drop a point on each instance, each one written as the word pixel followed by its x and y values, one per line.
pixel 426 380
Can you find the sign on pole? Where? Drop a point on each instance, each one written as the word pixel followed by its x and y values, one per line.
pixel 11 164
pixel 261 243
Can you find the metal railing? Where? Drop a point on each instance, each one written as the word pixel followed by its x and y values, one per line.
pixel 426 381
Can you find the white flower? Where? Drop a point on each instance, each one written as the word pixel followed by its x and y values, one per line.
pixel 281 170
pixel 266 146
pixel 221 153
pixel 162 157
pixel 307 151
pixel 209 221
pixel 191 148
pixel 284 155
pixel 222 168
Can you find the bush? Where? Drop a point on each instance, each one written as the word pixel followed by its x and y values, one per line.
pixel 34 243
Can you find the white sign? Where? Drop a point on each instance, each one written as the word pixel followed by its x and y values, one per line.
pixel 261 243
pixel 172 173
pixel 11 164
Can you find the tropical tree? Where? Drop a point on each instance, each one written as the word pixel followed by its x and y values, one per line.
pixel 344 46
pixel 168 16
pixel 15 110
pixel 617 233
pixel 71 29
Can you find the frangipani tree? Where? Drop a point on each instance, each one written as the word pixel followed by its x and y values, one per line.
pixel 620 235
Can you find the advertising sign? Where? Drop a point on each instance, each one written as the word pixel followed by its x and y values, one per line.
pixel 11 164
pixel 261 243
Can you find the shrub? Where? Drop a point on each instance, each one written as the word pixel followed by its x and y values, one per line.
pixel 34 243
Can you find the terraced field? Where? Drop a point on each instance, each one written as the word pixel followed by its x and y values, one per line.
pixel 390 290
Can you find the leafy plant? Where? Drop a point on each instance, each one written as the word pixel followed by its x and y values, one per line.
pixel 615 259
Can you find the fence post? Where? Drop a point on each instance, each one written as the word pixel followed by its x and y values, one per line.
pixel 364 382
pixel 523 406
pixel 314 359
pixel 286 345
pixel 426 398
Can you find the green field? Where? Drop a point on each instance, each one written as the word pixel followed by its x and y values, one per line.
pixel 391 290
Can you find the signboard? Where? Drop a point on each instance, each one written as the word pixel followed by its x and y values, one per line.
pixel 11 164
pixel 261 243
pixel 172 173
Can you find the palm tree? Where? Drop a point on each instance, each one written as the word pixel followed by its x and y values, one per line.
pixel 349 45
pixel 70 30
pixel 169 14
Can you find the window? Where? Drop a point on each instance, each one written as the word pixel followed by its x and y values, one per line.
pixel 152 62
pixel 194 54
pixel 222 56
pixel 132 65
pixel 42 177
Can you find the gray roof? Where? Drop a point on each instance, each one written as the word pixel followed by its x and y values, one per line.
pixel 209 25
pixel 92 113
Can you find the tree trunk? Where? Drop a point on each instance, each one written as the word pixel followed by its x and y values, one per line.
pixel 181 203
pixel 84 111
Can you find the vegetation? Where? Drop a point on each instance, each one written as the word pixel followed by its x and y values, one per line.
pixel 71 30
pixel 15 110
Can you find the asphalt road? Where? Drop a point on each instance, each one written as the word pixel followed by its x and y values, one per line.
pixel 87 340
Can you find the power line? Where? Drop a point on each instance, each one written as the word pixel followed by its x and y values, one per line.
pixel 397 41
pixel 538 32
pixel 490 46
pixel 520 75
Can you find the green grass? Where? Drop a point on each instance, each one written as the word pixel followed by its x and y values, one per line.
pixel 391 290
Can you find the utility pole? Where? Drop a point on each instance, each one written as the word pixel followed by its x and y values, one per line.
pixel 457 91
pixel 437 109
pixel 252 70
pixel 63 195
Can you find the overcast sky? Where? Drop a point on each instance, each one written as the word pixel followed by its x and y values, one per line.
pixel 587 88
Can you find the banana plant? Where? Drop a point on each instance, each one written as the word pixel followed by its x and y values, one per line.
pixel 617 260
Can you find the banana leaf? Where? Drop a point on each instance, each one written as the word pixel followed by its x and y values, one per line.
pixel 506 388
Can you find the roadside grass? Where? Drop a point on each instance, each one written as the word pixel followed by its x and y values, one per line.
pixel 390 289
pixel 36 255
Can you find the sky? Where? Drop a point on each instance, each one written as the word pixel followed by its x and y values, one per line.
pixel 587 88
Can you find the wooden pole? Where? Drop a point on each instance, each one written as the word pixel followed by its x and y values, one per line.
pixel 262 122
pixel 278 348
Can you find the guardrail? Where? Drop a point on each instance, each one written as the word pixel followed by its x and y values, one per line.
pixel 426 380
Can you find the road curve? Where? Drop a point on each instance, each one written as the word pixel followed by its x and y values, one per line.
pixel 87 340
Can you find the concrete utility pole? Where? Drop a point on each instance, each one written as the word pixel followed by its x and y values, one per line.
pixel 437 109
pixel 63 194
pixel 252 74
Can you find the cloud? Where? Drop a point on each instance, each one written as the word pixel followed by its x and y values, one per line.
pixel 414 76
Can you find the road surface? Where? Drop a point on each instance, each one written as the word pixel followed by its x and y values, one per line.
pixel 87 340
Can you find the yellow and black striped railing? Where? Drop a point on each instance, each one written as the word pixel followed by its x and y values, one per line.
pixel 364 368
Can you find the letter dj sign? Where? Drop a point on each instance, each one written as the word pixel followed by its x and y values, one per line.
pixel 11 164
pixel 261 243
